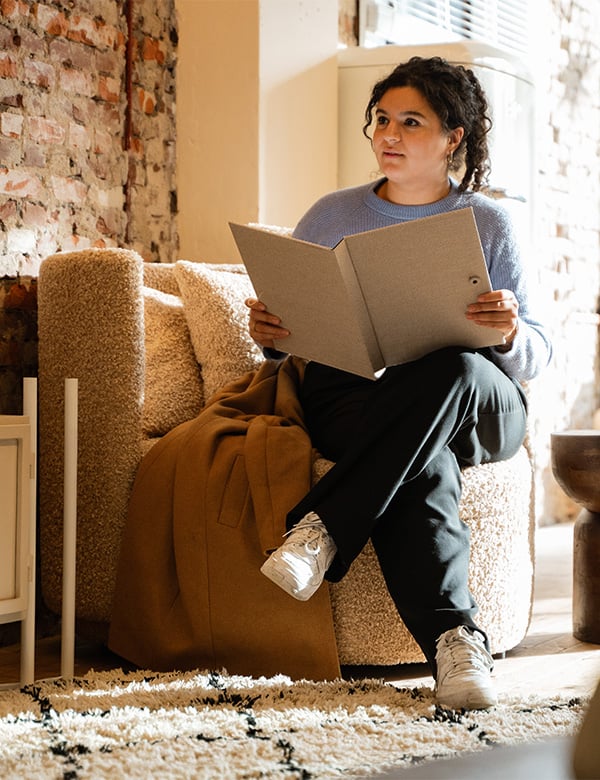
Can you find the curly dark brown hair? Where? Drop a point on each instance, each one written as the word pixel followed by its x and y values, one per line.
pixel 456 96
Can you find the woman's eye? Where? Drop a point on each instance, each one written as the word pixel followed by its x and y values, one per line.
pixel 410 122
pixel 381 121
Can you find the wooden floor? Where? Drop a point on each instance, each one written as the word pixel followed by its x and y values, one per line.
pixel 548 661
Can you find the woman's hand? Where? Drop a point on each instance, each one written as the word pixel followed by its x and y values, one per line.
pixel 263 326
pixel 497 309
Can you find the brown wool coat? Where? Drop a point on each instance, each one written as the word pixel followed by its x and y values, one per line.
pixel 208 501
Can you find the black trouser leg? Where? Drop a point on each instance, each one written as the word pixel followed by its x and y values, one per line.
pixel 404 428
pixel 423 550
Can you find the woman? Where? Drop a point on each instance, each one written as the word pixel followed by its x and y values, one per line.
pixel 398 443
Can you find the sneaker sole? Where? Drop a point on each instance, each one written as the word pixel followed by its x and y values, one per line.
pixel 479 701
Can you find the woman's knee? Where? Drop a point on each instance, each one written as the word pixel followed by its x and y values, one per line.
pixel 459 361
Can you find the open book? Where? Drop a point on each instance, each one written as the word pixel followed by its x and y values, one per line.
pixel 378 298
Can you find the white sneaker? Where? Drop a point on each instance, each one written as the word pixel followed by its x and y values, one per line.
pixel 299 565
pixel 464 671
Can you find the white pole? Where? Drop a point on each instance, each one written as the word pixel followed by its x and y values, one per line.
pixel 28 625
pixel 69 530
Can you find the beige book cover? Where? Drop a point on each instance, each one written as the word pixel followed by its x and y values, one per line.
pixel 378 298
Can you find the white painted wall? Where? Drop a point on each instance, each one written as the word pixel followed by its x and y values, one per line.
pixel 256 116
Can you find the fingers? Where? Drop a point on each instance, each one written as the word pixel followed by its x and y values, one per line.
pixel 498 309
pixel 263 326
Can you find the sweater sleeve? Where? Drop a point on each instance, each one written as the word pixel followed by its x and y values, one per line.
pixel 531 349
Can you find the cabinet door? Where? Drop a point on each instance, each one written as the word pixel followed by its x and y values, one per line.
pixel 14 505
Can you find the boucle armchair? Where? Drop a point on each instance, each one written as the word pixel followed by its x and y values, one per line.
pixel 148 344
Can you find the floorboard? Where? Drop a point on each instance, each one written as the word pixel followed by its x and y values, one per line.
pixel 549 661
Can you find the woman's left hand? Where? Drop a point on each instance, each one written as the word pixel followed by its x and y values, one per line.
pixel 497 309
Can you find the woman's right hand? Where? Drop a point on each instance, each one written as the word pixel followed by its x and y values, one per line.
pixel 263 326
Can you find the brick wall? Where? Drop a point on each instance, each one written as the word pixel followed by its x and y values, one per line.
pixel 18 340
pixel 86 129
pixel 568 224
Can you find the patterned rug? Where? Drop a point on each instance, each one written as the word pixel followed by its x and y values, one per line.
pixel 207 725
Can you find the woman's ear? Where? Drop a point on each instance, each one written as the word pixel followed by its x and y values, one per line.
pixel 454 138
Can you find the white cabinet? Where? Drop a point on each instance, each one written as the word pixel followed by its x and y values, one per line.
pixel 17 533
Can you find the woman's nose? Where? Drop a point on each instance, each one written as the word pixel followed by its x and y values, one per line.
pixel 392 133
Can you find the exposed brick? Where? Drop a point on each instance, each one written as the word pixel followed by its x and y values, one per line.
pixel 61 51
pixel 109 117
pixel 109 89
pixel 20 297
pixel 146 101
pixel 69 189
pixel 107 226
pixel 21 240
pixel 10 151
pixel 81 111
pixel 83 30
pixel 8 210
pixel 39 73
pixel 101 165
pixel 62 128
pixel 50 20
pixel 79 136
pixel 111 37
pixel 153 49
pixel 110 198
pixel 20 184
pixel 77 81
pixel 8 66
pixel 107 63
pixel 31 44
pixel 82 57
pixel 13 9
pixel 103 142
pixel 46 131
pixel 73 242
pixel 6 38
pixel 34 215
pixel 34 156
pixel 14 101
pixel 137 146
pixel 9 8
pixel 11 124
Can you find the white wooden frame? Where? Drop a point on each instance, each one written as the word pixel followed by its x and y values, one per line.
pixel 18 435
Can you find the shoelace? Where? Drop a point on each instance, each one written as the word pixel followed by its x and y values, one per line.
pixel 464 654
pixel 307 524
pixel 311 545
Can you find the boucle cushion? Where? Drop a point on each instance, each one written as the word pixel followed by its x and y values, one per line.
pixel 161 276
pixel 173 384
pixel 217 318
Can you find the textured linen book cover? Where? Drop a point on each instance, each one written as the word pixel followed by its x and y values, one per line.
pixel 379 298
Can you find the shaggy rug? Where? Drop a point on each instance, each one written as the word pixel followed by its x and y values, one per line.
pixel 213 725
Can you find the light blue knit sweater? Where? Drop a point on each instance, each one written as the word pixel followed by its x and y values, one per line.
pixel 357 209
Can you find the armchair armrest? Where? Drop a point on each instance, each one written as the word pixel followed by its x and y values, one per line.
pixel 91 328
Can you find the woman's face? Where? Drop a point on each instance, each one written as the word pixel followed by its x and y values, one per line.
pixel 408 140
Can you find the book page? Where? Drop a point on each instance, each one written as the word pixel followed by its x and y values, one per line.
pixel 417 279
pixel 302 283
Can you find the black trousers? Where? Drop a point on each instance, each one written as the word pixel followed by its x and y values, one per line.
pixel 398 445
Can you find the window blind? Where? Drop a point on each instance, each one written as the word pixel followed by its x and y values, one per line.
pixel 503 23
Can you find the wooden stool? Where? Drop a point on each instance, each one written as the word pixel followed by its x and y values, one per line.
pixel 576 467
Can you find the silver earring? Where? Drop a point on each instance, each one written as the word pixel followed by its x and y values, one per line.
pixel 450 158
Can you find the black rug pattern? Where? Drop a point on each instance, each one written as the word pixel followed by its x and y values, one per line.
pixel 214 725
